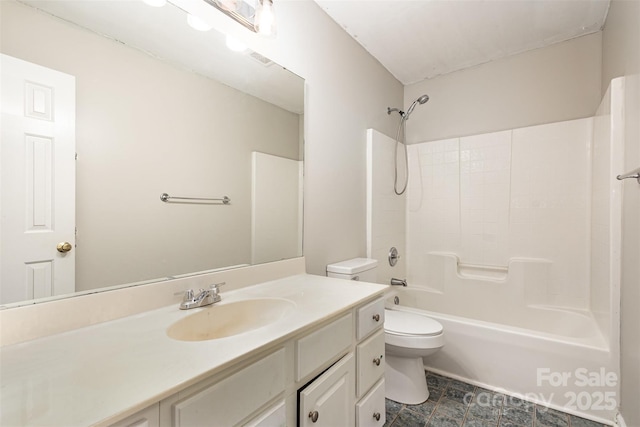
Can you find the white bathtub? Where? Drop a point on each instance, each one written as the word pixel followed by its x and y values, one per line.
pixel 555 357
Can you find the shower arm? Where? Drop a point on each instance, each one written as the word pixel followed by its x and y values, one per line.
pixel 391 110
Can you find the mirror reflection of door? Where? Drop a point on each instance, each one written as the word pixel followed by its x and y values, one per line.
pixel 37 180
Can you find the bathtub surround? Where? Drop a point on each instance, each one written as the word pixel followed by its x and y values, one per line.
pixel 514 194
pixel 519 228
pixel 621 57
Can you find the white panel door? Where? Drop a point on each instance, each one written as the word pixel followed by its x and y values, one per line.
pixel 37 180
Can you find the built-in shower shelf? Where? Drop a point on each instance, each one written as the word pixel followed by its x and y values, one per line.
pixel 478 271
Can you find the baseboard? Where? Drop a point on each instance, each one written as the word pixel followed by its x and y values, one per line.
pixel 620 421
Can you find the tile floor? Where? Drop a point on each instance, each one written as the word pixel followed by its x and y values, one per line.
pixel 453 403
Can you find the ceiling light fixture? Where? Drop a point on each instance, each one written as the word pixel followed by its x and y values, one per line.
pixel 197 23
pixel 256 15
pixel 265 19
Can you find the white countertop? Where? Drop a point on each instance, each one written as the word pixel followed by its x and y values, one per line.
pixel 94 374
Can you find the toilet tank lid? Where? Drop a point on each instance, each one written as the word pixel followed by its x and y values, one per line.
pixel 352 266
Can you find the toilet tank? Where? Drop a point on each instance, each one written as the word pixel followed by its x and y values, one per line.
pixel 363 269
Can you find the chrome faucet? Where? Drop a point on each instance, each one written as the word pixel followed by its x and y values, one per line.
pixel 203 298
pixel 398 282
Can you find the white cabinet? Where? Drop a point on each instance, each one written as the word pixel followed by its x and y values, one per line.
pixel 370 317
pixel 329 399
pixel 274 416
pixel 263 391
pixel 148 417
pixel 227 402
pixel 371 361
pixel 370 410
pixel 323 345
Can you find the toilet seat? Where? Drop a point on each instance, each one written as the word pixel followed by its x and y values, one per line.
pixel 402 323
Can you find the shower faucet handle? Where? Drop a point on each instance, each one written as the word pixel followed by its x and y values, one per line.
pixel 394 256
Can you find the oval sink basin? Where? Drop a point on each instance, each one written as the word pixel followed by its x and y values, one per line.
pixel 225 320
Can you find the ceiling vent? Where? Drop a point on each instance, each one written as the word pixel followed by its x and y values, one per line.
pixel 261 59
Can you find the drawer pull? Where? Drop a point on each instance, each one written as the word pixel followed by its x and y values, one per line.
pixel 377 360
pixel 314 416
pixel 376 415
pixel 376 317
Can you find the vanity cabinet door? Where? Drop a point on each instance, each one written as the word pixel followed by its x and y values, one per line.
pixel 229 401
pixel 275 416
pixel 329 400
pixel 148 417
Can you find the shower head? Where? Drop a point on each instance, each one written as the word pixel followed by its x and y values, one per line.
pixel 422 100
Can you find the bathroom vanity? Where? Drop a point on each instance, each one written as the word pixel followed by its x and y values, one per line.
pixel 318 357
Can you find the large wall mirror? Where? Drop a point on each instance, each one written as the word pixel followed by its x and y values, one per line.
pixel 106 105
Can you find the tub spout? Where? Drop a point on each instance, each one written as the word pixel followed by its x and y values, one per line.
pixel 398 282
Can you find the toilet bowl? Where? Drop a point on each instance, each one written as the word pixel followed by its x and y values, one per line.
pixel 408 338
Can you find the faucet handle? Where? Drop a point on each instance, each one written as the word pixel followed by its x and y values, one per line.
pixel 188 296
pixel 214 291
pixel 216 286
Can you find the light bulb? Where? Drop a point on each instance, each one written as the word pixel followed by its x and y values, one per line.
pixel 265 18
pixel 235 45
pixel 197 23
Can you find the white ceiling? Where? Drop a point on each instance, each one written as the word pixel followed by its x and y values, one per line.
pixel 420 39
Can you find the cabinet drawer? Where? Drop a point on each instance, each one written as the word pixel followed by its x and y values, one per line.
pixel 370 317
pixel 371 362
pixel 370 411
pixel 232 399
pixel 323 345
pixel 148 417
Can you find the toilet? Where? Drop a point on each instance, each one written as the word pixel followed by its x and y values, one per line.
pixel 408 338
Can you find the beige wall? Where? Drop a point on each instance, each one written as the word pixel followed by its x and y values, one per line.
pixel 621 57
pixel 348 91
pixel 557 83
pixel 145 127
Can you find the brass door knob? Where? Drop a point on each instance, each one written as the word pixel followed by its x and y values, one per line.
pixel 64 247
